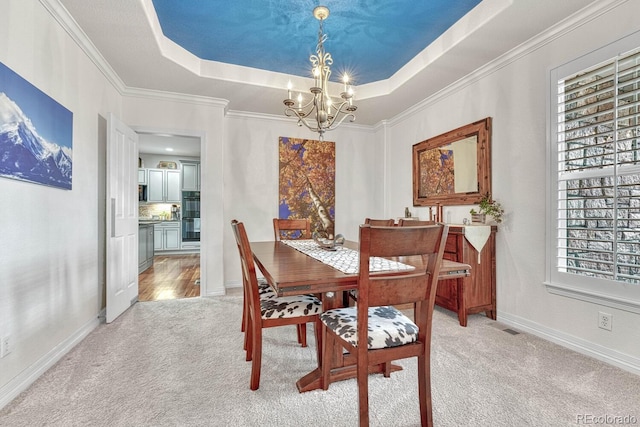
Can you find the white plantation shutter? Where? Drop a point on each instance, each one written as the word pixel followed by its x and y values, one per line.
pixel 594 223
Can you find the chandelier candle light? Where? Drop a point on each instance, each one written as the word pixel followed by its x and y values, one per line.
pixel 321 114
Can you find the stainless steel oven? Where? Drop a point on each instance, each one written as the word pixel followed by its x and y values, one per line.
pixel 190 216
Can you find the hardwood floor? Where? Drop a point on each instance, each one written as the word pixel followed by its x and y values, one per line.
pixel 170 277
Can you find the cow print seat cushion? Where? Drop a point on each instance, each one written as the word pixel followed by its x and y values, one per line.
pixel 292 306
pixel 264 290
pixel 272 306
pixel 388 327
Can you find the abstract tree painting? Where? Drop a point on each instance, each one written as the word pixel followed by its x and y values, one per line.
pixel 307 182
pixel 436 172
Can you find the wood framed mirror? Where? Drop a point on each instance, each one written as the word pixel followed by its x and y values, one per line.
pixel 453 168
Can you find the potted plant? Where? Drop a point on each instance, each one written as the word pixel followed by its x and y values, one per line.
pixel 487 206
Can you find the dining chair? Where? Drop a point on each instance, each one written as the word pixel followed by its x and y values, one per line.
pixel 403 222
pixel 351 296
pixel 264 292
pixel 291 228
pixel 386 333
pixel 268 312
pixel 380 222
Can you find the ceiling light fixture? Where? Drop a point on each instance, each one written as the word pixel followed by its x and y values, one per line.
pixel 322 113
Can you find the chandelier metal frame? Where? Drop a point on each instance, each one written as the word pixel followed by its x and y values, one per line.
pixel 322 113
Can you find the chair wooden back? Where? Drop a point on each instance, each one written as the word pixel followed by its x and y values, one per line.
pixel 402 222
pixel 249 278
pixel 380 222
pixel 417 287
pixel 424 244
pixel 291 229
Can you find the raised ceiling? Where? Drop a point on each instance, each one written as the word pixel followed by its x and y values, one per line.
pixel 128 36
pixel 371 40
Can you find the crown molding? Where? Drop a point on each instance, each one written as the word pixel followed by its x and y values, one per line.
pixel 589 13
pixel 175 97
pixel 66 21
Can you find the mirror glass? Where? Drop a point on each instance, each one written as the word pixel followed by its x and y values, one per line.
pixel 453 168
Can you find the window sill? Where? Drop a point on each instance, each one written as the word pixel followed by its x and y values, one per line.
pixel 620 303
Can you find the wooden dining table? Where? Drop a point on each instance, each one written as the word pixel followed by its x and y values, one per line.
pixel 291 272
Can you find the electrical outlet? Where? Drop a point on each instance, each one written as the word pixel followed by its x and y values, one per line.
pixel 605 320
pixel 6 345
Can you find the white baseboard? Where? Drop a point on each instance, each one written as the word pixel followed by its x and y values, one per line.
pixel 233 284
pixel 612 357
pixel 27 377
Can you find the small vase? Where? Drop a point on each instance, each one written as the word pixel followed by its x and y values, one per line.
pixel 478 218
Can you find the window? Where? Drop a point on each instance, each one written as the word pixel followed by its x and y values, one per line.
pixel 594 227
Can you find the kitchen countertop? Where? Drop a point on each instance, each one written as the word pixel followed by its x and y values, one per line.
pixel 156 221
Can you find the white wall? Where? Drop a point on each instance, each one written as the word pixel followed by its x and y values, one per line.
pixel 251 179
pixel 515 95
pixel 51 289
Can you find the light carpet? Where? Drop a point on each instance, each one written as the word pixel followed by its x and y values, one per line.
pixel 181 363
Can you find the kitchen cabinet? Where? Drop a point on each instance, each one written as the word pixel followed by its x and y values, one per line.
pixel 477 292
pixel 142 177
pixel 190 246
pixel 163 185
pixel 145 246
pixel 190 176
pixel 167 236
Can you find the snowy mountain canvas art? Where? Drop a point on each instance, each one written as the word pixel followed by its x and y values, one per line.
pixel 35 134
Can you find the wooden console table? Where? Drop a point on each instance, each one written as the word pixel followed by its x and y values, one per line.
pixel 477 292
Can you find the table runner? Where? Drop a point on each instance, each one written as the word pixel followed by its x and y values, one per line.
pixel 477 235
pixel 344 259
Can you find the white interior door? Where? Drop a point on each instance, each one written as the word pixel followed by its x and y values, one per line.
pixel 122 218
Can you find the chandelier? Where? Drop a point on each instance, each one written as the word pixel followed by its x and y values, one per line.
pixel 322 113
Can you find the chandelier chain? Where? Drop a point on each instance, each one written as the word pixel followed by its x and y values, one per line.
pixel 329 113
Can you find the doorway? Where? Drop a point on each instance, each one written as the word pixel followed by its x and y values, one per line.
pixel 175 270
